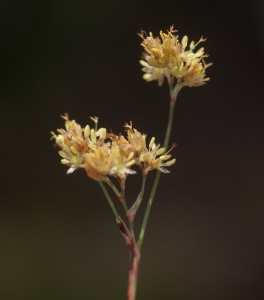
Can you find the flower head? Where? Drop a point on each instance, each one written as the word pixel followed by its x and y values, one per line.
pixel 76 141
pixel 135 147
pixel 166 56
pixel 98 162
pixel 86 148
pixel 121 164
pixel 152 158
pixel 133 144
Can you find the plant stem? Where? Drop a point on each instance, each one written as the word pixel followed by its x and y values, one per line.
pixel 145 220
pixel 113 187
pixel 131 225
pixel 133 275
pixel 156 180
pixel 133 272
pixel 121 197
pixel 143 186
pixel 109 199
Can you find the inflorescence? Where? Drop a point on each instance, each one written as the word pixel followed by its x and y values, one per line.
pixel 104 154
pixel 167 57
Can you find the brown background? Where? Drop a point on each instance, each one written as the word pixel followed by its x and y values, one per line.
pixel 59 240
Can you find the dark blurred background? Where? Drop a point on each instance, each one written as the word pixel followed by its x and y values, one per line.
pixel 58 235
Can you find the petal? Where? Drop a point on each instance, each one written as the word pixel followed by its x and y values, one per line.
pixel 72 168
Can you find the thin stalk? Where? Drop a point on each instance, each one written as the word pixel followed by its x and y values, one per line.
pixel 109 200
pixel 131 225
pixel 135 257
pixel 143 186
pixel 133 272
pixel 146 216
pixel 121 197
pixel 156 180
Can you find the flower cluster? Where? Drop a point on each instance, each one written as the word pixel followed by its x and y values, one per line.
pixel 104 154
pixel 170 58
pixel 146 158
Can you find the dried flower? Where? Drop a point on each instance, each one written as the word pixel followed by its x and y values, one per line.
pixel 86 148
pixel 72 142
pixel 76 141
pixel 150 160
pixel 133 144
pixel 168 57
pixel 122 164
pixel 146 159
pixel 153 73
pixel 98 162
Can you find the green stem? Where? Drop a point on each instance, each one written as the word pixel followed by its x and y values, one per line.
pixel 156 180
pixel 170 122
pixel 143 186
pixel 131 225
pixel 146 216
pixel 109 199
pixel 119 195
